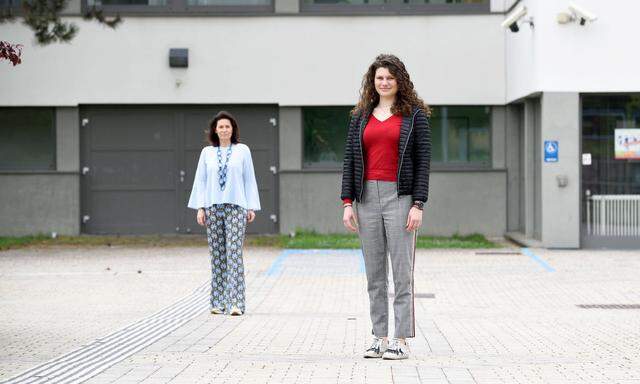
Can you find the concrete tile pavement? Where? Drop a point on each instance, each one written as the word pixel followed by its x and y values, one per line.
pixel 495 318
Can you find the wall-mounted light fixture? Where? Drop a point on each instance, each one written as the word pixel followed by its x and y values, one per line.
pixel 178 57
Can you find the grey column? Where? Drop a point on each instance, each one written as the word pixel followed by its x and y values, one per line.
pixel 529 167
pixel 560 120
pixel 287 6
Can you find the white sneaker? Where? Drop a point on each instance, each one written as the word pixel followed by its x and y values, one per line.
pixel 377 348
pixel 217 311
pixel 235 311
pixel 397 350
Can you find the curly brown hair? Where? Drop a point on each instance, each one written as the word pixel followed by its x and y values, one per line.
pixel 406 98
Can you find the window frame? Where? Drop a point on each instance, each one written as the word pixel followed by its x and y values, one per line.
pixel 395 9
pixel 318 167
pixel 54 153
pixel 486 165
pixel 464 166
pixel 181 8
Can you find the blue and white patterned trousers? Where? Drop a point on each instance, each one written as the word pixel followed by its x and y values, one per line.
pixel 226 224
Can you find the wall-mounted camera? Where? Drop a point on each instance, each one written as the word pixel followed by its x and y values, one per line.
pixel 576 13
pixel 514 17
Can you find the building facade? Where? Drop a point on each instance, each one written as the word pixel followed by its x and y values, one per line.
pixel 101 135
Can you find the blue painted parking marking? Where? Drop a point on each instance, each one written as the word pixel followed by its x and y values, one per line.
pixel 277 265
pixel 537 259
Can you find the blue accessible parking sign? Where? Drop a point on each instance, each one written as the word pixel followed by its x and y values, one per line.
pixel 550 151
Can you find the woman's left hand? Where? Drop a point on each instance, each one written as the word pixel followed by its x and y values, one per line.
pixel 251 215
pixel 414 221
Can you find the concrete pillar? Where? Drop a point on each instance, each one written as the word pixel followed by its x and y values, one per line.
pixel 287 6
pixel 528 168
pixel 67 140
pixel 291 138
pixel 498 139
pixel 560 121
pixel 513 132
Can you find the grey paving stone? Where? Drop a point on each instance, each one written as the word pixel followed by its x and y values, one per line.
pixel 494 318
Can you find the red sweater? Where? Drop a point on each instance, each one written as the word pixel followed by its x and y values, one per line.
pixel 380 144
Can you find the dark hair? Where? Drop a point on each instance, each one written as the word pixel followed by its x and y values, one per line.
pixel 406 98
pixel 213 136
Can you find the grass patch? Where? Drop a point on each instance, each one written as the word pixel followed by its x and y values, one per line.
pixel 302 240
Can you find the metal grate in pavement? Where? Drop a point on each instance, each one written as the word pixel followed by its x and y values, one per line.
pixel 609 306
pixel 93 358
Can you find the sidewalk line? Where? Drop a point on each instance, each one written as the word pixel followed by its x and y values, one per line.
pixel 537 259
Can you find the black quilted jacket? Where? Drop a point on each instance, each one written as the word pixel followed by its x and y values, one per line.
pixel 413 161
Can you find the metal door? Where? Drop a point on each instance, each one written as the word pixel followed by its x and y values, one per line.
pixel 138 164
pixel 258 129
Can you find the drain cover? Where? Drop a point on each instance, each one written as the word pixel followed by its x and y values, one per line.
pixel 609 306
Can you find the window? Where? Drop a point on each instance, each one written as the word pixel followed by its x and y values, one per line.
pixel 27 139
pixel 181 7
pixel 325 132
pixel 461 135
pixel 396 6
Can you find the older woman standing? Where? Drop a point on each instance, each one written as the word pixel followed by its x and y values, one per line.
pixel 225 193
pixel 386 172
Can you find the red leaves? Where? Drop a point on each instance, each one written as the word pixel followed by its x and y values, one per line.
pixel 10 52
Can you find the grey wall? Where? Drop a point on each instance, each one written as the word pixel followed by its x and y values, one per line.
pixel 39 203
pixel 45 202
pixel 459 202
pixel 310 200
pixel 560 115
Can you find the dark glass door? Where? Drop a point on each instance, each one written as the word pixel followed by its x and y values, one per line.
pixel 611 171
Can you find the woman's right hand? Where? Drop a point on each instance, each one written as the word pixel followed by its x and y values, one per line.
pixel 200 217
pixel 349 219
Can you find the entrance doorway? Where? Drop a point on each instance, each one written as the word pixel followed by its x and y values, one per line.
pixel 610 171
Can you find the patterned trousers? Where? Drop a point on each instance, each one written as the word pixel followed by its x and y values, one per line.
pixel 226 224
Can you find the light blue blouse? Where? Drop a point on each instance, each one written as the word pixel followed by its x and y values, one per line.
pixel 241 187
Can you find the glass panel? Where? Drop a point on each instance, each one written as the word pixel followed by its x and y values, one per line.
pixel 325 130
pixel 611 165
pixel 357 2
pixel 461 135
pixel 229 2
pixel 27 139
pixel 127 2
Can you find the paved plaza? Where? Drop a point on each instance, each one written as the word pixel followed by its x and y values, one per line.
pixel 139 315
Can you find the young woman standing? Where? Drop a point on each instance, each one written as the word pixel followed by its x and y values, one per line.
pixel 225 193
pixel 386 173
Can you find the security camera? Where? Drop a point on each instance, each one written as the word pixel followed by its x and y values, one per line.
pixel 582 14
pixel 511 21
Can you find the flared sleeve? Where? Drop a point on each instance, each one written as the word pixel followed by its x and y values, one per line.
pixel 199 190
pixel 250 184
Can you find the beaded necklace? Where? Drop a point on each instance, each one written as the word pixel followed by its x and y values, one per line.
pixel 222 168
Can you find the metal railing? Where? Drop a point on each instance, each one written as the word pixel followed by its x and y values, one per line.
pixel 613 215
